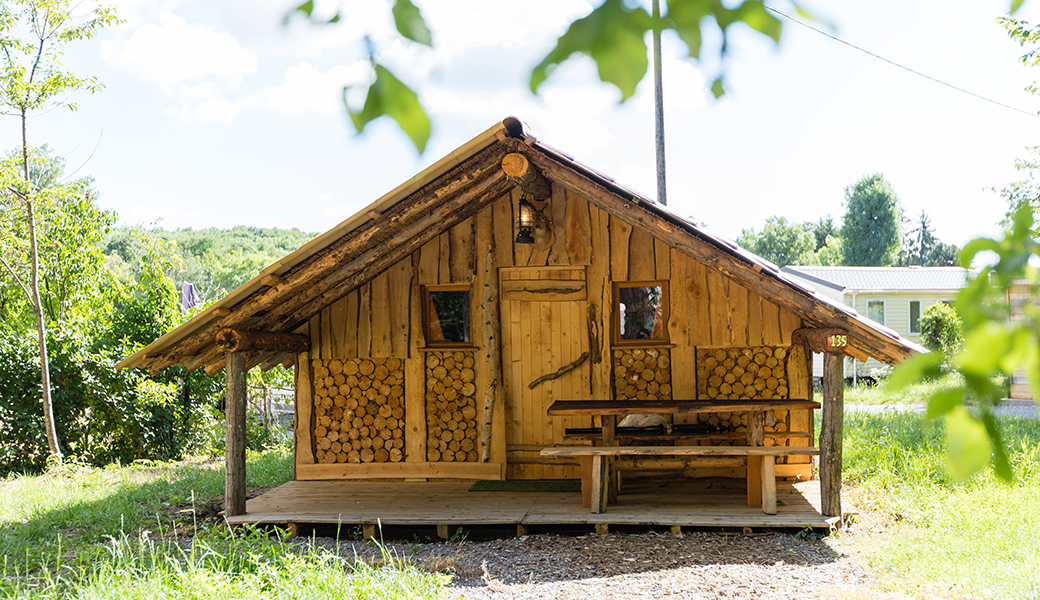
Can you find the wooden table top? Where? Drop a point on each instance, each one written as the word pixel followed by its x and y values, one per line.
pixel 670 407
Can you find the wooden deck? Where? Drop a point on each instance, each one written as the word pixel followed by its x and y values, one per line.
pixel 699 503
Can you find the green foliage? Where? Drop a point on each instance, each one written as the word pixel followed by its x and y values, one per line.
pixel 781 242
pixel 387 96
pixel 995 346
pixel 871 227
pixel 823 230
pixel 1024 192
pixel 941 331
pixel 69 226
pixel 922 248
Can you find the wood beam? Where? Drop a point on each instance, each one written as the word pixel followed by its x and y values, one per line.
pixel 235 446
pixel 831 431
pixel 369 235
pixel 239 340
pixel 706 251
pixel 521 174
pixel 827 340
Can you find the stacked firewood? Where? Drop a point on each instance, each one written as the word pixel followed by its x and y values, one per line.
pixel 451 413
pixel 742 373
pixel 359 410
pixel 642 374
pixel 778 421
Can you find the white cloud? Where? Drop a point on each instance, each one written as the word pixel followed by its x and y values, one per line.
pixel 212 110
pixel 307 90
pixel 174 53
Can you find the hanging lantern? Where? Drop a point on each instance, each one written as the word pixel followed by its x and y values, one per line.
pixel 525 221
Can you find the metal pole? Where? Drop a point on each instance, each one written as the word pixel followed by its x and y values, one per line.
pixel 662 193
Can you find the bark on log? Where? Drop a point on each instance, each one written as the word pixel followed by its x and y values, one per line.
pixel 237 340
pixel 825 341
pixel 489 307
pixel 831 435
pixel 235 444
pixel 440 205
pixel 561 371
pixel 520 173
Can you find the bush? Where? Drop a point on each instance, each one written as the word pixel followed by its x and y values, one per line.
pixel 941 331
pixel 102 414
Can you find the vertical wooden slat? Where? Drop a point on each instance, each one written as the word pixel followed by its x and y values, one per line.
pixel 429 262
pixel 351 337
pixel 326 333
pixel 641 260
pixel 304 410
pixel 579 232
pixel 620 232
pixel 365 321
pixel 399 308
pixel 755 437
pixel 754 319
pixel 235 445
pixel 700 326
pixel 738 313
pixel 662 260
pixel 770 323
pixel 718 309
pixel 788 323
pixel 558 252
pixel 528 329
pixel 415 373
pixel 598 308
pixel 504 229
pixel 315 329
pixel 444 259
pixel 380 311
pixel 684 382
pixel 338 328
pixel 831 435
pixel 462 263
pixel 768 484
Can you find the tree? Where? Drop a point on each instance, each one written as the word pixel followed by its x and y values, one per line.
pixel 33 79
pixel 822 230
pixel 613 35
pixel 781 242
pixel 941 331
pixel 870 232
pixel 922 248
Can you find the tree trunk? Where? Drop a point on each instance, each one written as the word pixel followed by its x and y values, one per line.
pixel 41 330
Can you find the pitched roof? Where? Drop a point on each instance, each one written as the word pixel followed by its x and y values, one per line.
pixel 885 278
pixel 288 293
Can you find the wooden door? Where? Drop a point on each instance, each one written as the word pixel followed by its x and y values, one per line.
pixel 544 328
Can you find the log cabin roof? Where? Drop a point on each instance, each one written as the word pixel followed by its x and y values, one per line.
pixel 282 297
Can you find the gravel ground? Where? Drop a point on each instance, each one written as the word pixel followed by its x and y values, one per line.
pixel 645 565
pixel 1025 409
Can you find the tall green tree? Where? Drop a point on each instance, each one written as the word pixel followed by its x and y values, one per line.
pixel 33 37
pixel 782 242
pixel 871 229
pixel 921 247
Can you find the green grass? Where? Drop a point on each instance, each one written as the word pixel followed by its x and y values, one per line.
pixel 927 534
pixel 914 394
pixel 151 531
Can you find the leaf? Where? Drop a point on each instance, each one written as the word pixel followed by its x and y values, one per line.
pixel 388 96
pixel 410 23
pixel 613 37
pixel 968 444
pixel 717 88
pixel 944 401
pixel 984 349
pixel 1015 5
pixel 754 13
pixel 685 17
pixel 307 9
pixel 1000 458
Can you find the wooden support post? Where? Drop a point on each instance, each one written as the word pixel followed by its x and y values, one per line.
pixel 368 531
pixel 442 531
pixel 602 528
pixel 677 530
pixel 235 458
pixel 769 484
pixel 599 483
pixel 831 435
pixel 521 530
pixel 609 426
pixel 756 436
pixel 492 354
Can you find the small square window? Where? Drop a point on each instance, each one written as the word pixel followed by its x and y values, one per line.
pixel 641 310
pixel 446 314
pixel 915 316
pixel 876 310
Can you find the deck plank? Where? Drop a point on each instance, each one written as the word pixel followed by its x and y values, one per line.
pixel 690 504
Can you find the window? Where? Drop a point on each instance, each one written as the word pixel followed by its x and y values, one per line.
pixel 641 311
pixel 876 310
pixel 446 315
pixel 915 316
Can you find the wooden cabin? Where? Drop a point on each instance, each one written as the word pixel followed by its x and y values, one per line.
pixel 431 333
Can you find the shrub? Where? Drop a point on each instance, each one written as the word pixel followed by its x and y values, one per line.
pixel 941 331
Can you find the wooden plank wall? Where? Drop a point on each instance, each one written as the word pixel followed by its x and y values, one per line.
pixel 538 335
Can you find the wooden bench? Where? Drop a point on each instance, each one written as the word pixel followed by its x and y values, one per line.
pixel 598 486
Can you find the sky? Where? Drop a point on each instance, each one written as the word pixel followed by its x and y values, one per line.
pixel 215 114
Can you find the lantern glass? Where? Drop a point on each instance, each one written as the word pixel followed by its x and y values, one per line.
pixel 524 222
